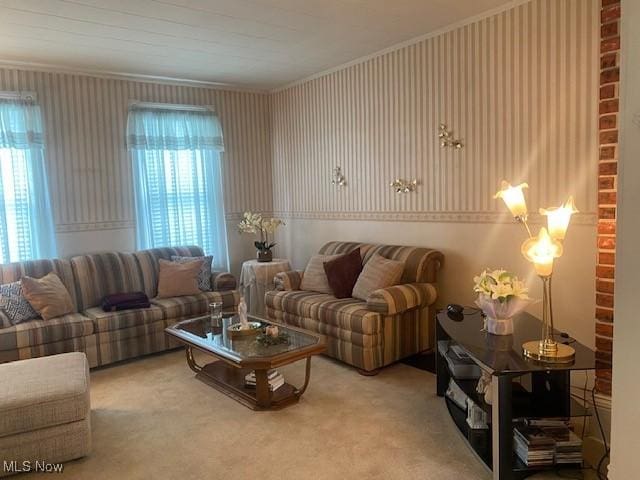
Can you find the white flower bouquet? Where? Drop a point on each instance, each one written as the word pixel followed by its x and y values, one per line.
pixel 256 224
pixel 501 295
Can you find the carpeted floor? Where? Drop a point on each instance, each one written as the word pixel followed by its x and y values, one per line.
pixel 152 419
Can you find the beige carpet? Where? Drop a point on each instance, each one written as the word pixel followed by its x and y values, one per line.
pixel 152 419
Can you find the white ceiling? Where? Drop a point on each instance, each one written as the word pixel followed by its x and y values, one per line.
pixel 253 43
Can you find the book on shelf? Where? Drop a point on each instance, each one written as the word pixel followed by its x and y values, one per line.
pixel 275 379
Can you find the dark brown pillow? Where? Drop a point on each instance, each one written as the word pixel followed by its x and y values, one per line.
pixel 343 273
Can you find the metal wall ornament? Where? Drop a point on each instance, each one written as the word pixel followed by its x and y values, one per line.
pixel 338 179
pixel 446 138
pixel 404 186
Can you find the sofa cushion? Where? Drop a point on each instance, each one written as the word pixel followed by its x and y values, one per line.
pixel 43 392
pixel 347 313
pixel 48 296
pixel 149 267
pixel 107 321
pixel 355 338
pixel 315 278
pixel 14 305
pixel 204 276
pixel 178 279
pixel 192 305
pixel 37 332
pixel 101 274
pixel 379 272
pixel 12 272
pixel 342 273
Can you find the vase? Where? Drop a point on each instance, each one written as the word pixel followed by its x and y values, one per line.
pixel 265 255
pixel 499 315
pixel 499 326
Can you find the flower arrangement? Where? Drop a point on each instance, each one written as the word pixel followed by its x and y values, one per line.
pixel 501 295
pixel 255 223
pixel 270 337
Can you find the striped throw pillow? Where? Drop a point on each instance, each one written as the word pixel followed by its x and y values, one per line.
pixel 378 272
pixel 314 278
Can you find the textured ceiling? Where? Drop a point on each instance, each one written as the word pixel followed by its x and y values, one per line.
pixel 253 43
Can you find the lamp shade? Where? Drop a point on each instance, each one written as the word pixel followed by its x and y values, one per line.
pixel 558 218
pixel 541 250
pixel 513 197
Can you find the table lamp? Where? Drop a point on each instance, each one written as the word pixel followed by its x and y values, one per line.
pixel 542 250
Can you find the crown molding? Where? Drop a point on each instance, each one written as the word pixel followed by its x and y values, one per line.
pixel 452 26
pixel 112 75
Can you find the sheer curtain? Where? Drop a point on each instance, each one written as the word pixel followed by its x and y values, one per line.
pixel 26 222
pixel 177 178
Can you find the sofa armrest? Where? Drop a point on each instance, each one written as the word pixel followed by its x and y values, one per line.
pixel 223 281
pixel 285 281
pixel 400 298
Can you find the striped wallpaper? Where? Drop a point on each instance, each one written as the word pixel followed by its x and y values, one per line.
pixel 520 89
pixel 85 119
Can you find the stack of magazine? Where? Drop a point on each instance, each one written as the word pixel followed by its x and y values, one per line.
pixel 276 380
pixel 568 444
pixel 546 442
pixel 533 446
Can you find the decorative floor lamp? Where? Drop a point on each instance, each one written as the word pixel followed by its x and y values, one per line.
pixel 541 250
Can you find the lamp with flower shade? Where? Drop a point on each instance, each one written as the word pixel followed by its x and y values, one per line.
pixel 541 251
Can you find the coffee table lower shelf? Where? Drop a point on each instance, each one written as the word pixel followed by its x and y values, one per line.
pixel 230 380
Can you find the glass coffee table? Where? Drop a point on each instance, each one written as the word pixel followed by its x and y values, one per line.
pixel 239 356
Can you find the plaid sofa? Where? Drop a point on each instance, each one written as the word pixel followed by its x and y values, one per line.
pixel 107 337
pixel 393 323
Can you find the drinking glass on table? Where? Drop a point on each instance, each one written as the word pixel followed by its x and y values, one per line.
pixel 215 314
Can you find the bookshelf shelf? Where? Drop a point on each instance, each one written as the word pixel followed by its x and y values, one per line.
pixel 520 388
pixel 522 403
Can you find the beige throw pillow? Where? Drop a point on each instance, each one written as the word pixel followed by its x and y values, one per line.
pixel 48 296
pixel 378 272
pixel 315 278
pixel 178 279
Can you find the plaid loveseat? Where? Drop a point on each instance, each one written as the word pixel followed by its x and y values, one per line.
pixel 107 337
pixel 393 323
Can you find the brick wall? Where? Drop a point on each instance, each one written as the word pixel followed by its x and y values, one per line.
pixel 607 188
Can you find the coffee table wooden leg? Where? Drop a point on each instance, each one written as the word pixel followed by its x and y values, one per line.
pixel 263 395
pixel 191 361
pixel 307 377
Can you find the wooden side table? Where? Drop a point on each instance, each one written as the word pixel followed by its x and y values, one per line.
pixel 256 278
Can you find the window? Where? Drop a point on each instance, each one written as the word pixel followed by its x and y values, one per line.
pixel 177 179
pixel 26 223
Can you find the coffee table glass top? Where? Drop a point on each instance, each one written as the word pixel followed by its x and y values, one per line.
pixel 200 332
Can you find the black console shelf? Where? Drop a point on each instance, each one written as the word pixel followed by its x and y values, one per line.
pixel 547 393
